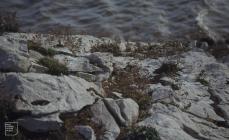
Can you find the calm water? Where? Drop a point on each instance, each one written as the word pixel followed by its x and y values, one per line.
pixel 130 19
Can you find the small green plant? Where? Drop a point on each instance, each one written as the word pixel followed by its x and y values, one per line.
pixel 202 81
pixel 37 47
pixel 53 65
pixel 107 47
pixel 201 78
pixel 141 133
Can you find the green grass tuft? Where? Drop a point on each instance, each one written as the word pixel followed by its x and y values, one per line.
pixel 53 65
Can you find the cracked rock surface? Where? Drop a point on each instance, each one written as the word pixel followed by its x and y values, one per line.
pixel 188 93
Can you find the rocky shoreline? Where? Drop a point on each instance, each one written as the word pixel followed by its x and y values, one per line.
pixel 83 87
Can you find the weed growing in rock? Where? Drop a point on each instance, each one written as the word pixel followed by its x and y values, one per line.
pixel 129 82
pixel 53 65
pixel 65 37
pixel 203 81
pixel 8 22
pixel 201 78
pixel 84 117
pixel 140 133
pixel 37 47
pixel 107 47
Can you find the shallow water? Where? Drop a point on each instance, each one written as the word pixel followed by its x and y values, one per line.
pixel 130 19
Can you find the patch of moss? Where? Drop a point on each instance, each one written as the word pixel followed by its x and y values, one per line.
pixel 37 47
pixel 107 47
pixel 140 133
pixel 53 65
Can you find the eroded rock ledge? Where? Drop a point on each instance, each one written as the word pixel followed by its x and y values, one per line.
pixel 82 87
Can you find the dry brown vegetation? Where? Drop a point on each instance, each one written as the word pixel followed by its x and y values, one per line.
pixel 64 35
pixel 139 133
pixel 84 117
pixel 111 47
pixel 165 49
pixel 129 82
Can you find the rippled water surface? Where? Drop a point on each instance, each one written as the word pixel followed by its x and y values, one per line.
pixel 131 19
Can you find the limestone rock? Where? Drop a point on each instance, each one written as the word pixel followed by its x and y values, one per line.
pixel 35 56
pixel 13 55
pixel 129 110
pixel 77 64
pixel 102 117
pixel 42 94
pixel 86 131
pixel 125 111
pixel 37 68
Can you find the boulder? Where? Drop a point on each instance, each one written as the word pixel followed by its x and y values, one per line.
pixel 86 131
pixel 125 111
pixel 13 55
pixel 36 68
pixel 161 93
pixel 129 110
pixel 35 56
pixel 78 64
pixel 42 95
pixel 102 60
pixel 102 117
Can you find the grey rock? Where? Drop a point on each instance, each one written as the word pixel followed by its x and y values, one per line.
pixel 203 109
pixel 42 94
pixel 87 76
pixel 13 55
pixel 102 116
pixel 77 64
pixel 124 111
pixel 86 131
pixel 102 60
pixel 115 111
pixel 116 95
pixel 64 50
pixel 129 110
pixel 35 56
pixel 36 68
pixel 121 62
pixel 160 93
